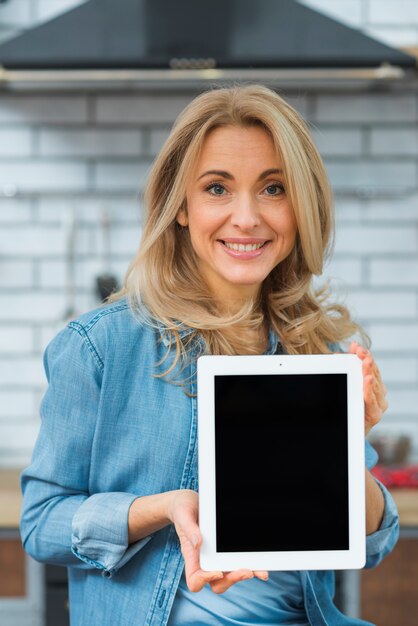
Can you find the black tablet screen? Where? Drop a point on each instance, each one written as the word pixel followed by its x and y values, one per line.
pixel 281 462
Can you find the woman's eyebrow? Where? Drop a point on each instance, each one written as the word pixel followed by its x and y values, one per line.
pixel 221 173
pixel 224 174
pixel 266 173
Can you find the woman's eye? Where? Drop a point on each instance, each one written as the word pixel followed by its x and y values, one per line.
pixel 215 189
pixel 274 190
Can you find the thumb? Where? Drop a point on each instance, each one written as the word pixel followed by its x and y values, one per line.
pixel 188 530
pixel 195 538
pixel 192 534
pixel 185 518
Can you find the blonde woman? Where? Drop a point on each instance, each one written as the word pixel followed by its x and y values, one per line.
pixel 239 219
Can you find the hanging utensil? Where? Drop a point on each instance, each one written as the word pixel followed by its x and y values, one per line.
pixel 70 235
pixel 106 282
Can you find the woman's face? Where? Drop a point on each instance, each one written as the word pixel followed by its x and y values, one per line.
pixel 240 220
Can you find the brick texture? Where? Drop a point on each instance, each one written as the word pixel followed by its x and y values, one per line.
pixel 64 154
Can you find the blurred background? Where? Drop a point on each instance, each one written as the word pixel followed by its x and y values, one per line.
pixel 79 129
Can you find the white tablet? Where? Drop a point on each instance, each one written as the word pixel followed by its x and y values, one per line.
pixel 281 462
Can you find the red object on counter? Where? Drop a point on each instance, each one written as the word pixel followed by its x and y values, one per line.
pixel 406 476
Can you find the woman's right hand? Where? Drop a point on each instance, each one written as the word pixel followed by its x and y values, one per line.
pixel 183 509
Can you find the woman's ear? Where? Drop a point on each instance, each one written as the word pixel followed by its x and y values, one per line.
pixel 182 218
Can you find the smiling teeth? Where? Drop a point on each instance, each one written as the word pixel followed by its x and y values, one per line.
pixel 241 247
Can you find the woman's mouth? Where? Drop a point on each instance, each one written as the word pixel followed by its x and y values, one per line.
pixel 243 249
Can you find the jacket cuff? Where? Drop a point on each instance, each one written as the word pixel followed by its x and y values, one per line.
pixel 100 532
pixel 381 542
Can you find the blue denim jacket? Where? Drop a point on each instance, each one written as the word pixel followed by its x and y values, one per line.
pixel 111 432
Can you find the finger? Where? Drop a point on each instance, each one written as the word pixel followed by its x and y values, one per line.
pixel 367 369
pixel 186 524
pixel 379 389
pixel 380 393
pixel 261 574
pixel 231 578
pixel 379 377
pixel 359 350
pixel 370 400
pixel 373 412
pixel 367 361
pixel 196 578
pixel 200 578
pixel 353 347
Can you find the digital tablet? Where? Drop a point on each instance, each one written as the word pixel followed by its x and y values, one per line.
pixel 281 462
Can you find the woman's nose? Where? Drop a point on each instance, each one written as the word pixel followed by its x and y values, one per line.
pixel 245 214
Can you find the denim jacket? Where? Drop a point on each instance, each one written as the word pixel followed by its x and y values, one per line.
pixel 112 431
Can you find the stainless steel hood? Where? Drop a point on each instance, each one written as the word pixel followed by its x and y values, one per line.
pixel 174 43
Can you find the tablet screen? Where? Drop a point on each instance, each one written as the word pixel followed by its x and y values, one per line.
pixel 281 462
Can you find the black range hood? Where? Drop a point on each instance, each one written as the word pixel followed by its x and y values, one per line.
pixel 109 40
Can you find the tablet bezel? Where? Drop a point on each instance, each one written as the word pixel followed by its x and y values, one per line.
pixel 210 366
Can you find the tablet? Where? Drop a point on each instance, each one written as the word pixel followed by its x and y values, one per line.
pixel 281 462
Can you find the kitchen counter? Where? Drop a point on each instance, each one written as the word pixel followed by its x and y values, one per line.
pixel 10 498
pixel 10 501
pixel 407 503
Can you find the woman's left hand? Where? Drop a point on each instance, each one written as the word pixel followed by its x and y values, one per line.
pixel 374 391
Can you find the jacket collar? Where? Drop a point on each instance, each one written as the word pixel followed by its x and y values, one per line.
pixel 274 345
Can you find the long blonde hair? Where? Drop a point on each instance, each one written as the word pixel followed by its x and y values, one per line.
pixel 164 275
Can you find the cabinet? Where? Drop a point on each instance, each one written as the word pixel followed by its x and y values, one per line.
pixel 21 578
pixel 389 593
pixel 21 583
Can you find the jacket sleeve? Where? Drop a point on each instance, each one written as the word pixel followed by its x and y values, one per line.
pixel 62 522
pixel 381 542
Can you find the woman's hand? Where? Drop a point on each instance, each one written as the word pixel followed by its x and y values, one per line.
pixel 374 391
pixel 183 513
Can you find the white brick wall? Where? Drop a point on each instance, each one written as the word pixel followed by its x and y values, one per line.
pixel 89 142
pixel 364 174
pixel 382 12
pixel 395 337
pixel 24 109
pixel 338 141
pixel 16 340
pixel 144 109
pixel 366 108
pixel 120 175
pixel 349 12
pixel 394 273
pixel 16 13
pixel 15 142
pixel 394 22
pixel 394 141
pixel 386 239
pixel 48 175
pixel 393 370
pixel 378 304
pixel 86 155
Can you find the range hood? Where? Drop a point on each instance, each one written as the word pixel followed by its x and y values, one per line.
pixel 126 42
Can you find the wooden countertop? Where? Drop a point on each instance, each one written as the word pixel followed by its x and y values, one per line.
pixel 10 498
pixel 10 501
pixel 407 503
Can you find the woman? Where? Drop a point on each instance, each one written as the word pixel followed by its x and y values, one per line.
pixel 238 220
